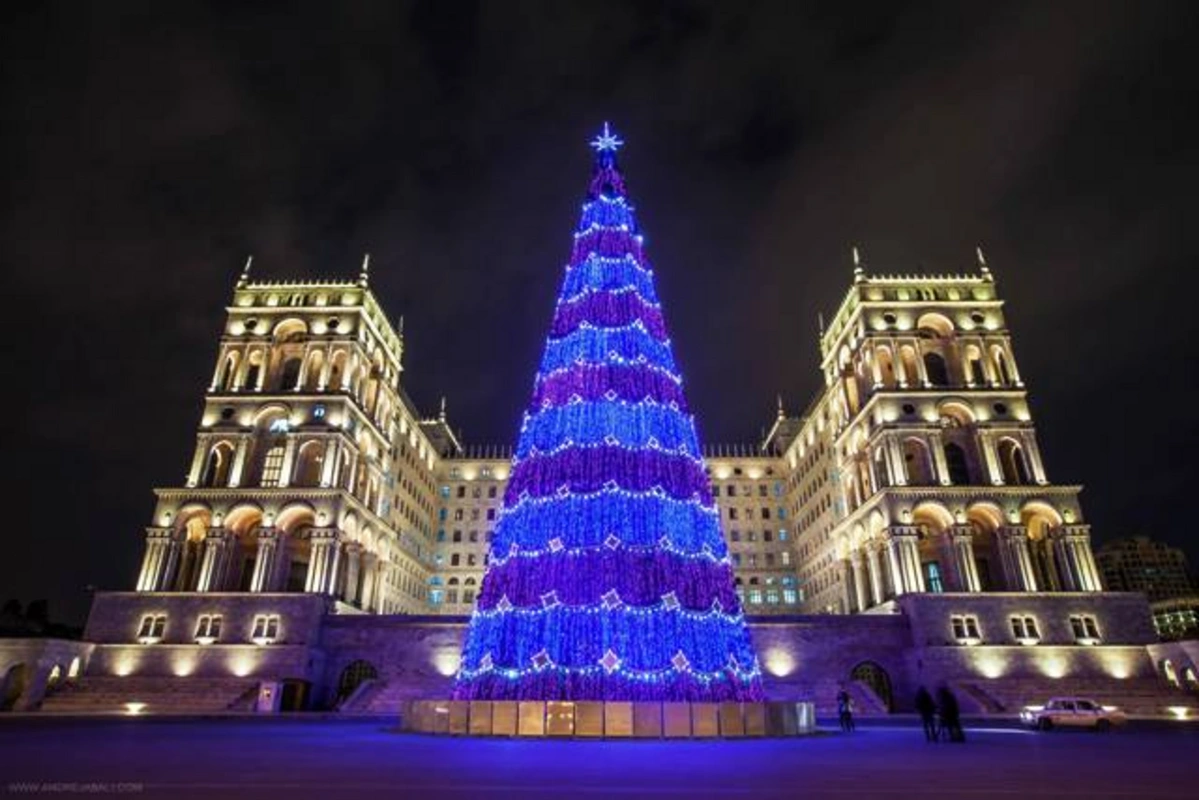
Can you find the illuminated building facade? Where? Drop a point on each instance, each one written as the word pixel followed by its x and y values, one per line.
pixel 328 541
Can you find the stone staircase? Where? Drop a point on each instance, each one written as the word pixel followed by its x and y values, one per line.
pixel 161 694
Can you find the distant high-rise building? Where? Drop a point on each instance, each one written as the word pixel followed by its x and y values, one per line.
pixel 1140 564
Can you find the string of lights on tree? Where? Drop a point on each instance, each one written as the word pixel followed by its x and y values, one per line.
pixel 608 577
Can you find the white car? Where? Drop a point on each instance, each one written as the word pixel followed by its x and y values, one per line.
pixel 1072 712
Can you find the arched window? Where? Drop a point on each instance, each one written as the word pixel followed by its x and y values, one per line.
pixel 917 462
pixel 289 377
pixel 228 372
pixel 1011 461
pixel 955 460
pixel 934 368
pixel 1001 367
pixel 974 367
pixel 217 465
pixel 312 376
pixel 253 371
pixel 309 462
pixel 886 369
pixel 455 560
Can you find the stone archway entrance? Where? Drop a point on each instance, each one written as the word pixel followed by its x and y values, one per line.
pixel 876 678
pixel 353 675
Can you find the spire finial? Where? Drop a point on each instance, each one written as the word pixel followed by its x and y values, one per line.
pixel 858 271
pixel 400 326
pixel 607 140
pixel 982 262
pixel 441 413
pixel 780 402
pixel 244 278
pixel 820 321
pixel 364 276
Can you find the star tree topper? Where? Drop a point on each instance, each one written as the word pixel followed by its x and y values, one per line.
pixel 607 140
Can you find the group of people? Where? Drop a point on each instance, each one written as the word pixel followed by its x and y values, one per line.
pixel 941 717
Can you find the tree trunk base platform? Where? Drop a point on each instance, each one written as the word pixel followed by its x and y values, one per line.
pixel 608 720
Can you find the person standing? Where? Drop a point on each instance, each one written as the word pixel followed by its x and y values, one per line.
pixel 845 711
pixel 928 713
pixel 951 720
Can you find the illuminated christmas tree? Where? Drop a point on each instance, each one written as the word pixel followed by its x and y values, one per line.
pixel 608 577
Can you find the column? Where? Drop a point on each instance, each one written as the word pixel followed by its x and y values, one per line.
pixel 1017 560
pixel 1082 559
pixel 320 544
pixel 1086 558
pixel 986 443
pixel 212 564
pixel 336 567
pixel 237 473
pixel 329 466
pixel 846 588
pixel 859 580
pixel 894 561
pixel 911 551
pixel 961 542
pixel 877 586
pixel 1011 363
pixel 370 565
pixel 1063 556
pixel 382 583
pixel 150 577
pixel 265 562
pixel 937 447
pixel 193 474
pixel 353 559
pixel 907 538
pixel 166 576
pixel 289 460
pixel 898 470
pixel 1032 456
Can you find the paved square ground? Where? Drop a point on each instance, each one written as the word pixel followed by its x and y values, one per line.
pixel 338 760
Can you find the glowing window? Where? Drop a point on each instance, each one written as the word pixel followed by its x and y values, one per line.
pixel 965 628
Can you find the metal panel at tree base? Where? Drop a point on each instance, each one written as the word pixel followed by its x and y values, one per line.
pixel 503 718
pixel 676 720
pixel 647 720
pixel 559 719
pixel 532 718
pixel 731 723
pixel 480 718
pixel 755 719
pixel 589 718
pixel 459 724
pixel 618 719
pixel 704 720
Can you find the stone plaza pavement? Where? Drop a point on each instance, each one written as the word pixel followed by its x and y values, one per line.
pixel 312 758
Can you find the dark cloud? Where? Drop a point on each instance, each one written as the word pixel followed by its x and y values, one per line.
pixel 147 149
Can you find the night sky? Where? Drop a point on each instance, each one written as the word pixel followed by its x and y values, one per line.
pixel 146 150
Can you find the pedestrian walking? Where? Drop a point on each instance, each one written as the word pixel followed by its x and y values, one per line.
pixel 951 720
pixel 845 711
pixel 927 709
